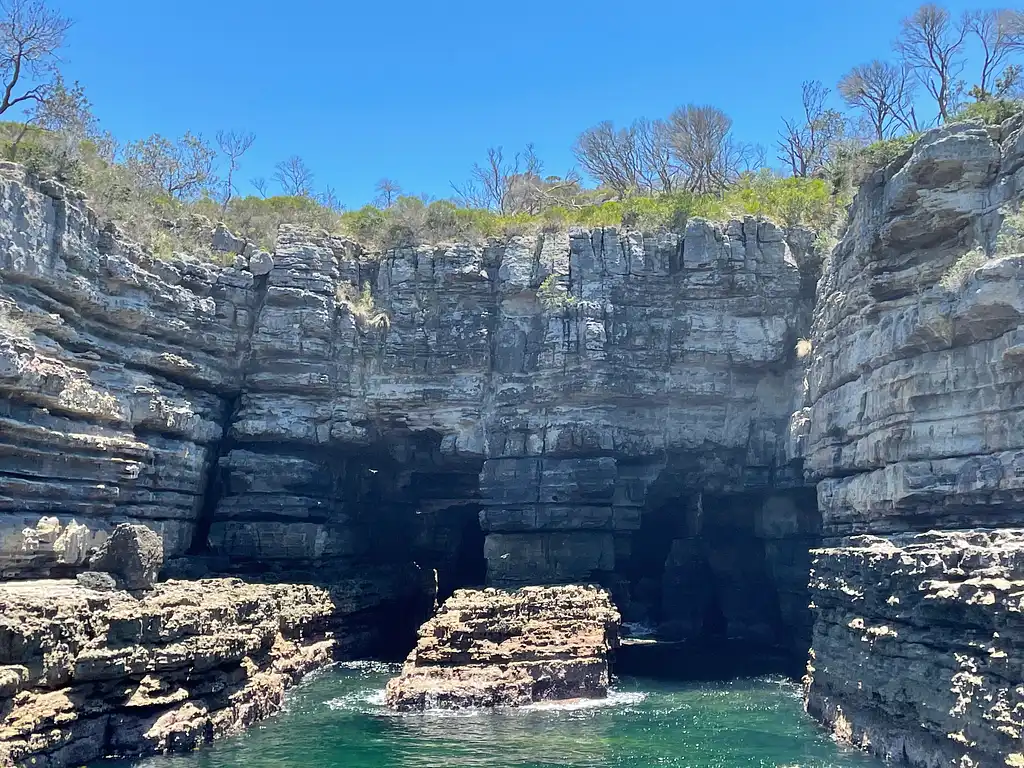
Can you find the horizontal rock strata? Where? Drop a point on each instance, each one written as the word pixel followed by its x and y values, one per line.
pixel 496 648
pixel 913 424
pixel 919 647
pixel 86 674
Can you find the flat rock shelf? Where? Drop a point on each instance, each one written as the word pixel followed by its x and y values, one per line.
pixel 487 648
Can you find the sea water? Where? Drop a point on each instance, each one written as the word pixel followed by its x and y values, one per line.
pixel 337 718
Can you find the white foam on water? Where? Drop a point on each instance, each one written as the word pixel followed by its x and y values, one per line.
pixel 358 700
pixel 370 666
pixel 638 629
pixel 363 701
pixel 613 699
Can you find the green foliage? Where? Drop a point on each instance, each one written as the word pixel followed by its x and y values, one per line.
pixel 881 153
pixel 956 277
pixel 1011 233
pixel 791 201
pixel 361 305
pixel 554 296
pixel 990 111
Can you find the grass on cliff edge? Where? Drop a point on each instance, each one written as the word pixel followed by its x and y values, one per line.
pixel 165 225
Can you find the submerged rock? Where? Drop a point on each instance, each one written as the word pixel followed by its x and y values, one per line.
pixel 496 648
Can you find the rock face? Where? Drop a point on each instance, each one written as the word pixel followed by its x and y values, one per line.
pixel 85 674
pixel 918 646
pixel 496 648
pixel 914 423
pixel 601 406
pixel 595 405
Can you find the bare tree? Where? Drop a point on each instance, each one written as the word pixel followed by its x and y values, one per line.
pixel 490 185
pixel 628 160
pixel 66 115
pixel 233 145
pixel 516 185
pixel 30 35
pixel 1000 33
pixel 182 169
pixel 259 183
pixel 329 199
pixel 388 190
pixel 932 45
pixel 882 93
pixel 703 145
pixel 804 144
pixel 294 176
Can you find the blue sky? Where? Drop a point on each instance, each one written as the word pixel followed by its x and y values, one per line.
pixel 417 91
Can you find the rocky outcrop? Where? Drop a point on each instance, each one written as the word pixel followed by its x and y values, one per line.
pixel 86 674
pixel 919 646
pixel 496 648
pixel 913 424
pixel 115 372
pixel 544 408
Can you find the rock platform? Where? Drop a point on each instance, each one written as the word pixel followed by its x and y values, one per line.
pixel 488 648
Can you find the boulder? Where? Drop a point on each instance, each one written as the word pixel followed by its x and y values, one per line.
pixel 224 240
pixel 97 581
pixel 133 554
pixel 260 263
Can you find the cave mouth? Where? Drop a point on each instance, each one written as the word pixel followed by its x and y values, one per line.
pixel 716 586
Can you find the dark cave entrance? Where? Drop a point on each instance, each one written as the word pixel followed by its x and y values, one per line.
pixel 721 578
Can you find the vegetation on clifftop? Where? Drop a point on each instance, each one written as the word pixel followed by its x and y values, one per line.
pixel 168 193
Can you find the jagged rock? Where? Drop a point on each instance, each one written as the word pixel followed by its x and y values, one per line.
pixel 85 674
pixel 133 554
pixel 917 646
pixel 914 422
pixel 97 580
pixel 495 648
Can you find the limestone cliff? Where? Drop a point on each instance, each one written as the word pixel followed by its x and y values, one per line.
pixel 600 405
pixel 608 406
pixel 914 424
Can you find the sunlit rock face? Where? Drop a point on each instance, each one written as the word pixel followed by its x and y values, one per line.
pixel 914 425
pixel 495 648
pixel 594 405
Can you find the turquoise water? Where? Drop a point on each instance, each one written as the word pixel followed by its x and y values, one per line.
pixel 336 719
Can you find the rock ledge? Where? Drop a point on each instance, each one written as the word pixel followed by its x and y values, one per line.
pixel 496 648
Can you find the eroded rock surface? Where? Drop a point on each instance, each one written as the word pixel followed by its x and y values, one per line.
pixel 132 554
pixel 85 674
pixel 919 646
pixel 913 424
pixel 496 648
pixel 625 420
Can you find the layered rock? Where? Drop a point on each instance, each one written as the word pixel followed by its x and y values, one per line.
pixel 114 372
pixel 919 646
pixel 495 648
pixel 913 424
pixel 567 396
pixel 86 674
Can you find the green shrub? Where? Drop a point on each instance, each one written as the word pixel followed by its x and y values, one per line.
pixel 361 305
pixel 881 153
pixel 1011 233
pixel 990 111
pixel 956 277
